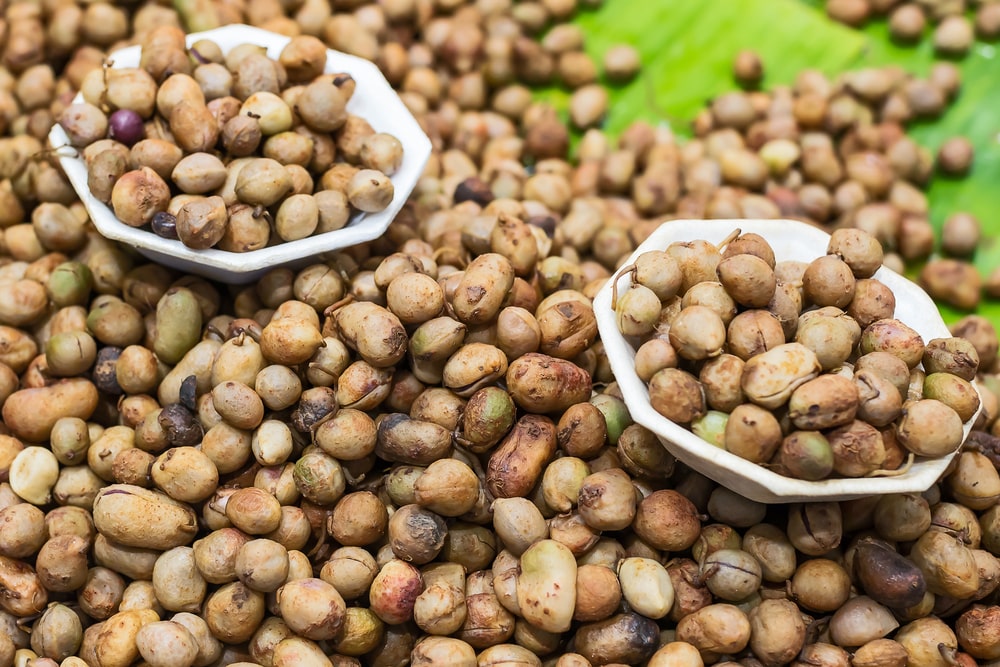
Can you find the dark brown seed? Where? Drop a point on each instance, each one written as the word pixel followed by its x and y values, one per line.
pixel 748 70
pixel 955 156
pixel 623 639
pixel 180 426
pixel 475 190
pixel 887 576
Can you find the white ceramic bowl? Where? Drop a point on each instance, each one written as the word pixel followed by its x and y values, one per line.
pixel 374 100
pixel 791 241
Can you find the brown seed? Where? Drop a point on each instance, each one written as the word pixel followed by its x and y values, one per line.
pixel 303 58
pixel 516 465
pixel 193 126
pixel 953 36
pixel 667 520
pixel 202 223
pixel 621 63
pixel 753 433
pixel 829 281
pixel 138 195
pixel 907 22
pixel 543 384
pixel 952 281
pixel 748 70
pixel 598 593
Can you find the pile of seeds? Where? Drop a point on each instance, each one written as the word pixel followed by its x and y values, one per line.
pixel 835 153
pixel 415 452
pixel 727 349
pixel 151 137
pixel 954 23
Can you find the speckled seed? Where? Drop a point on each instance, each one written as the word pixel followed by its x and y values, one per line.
pixel 546 587
pixel 370 191
pixel 202 223
pixel 394 591
pixel 132 516
pixel 748 279
pixel 382 152
pixel 894 337
pixel 716 628
pixel 138 195
pixel 415 298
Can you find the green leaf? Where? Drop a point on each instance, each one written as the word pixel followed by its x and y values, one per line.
pixel 687 49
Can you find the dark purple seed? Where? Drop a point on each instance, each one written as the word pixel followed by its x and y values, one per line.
pixel 546 222
pixel 475 190
pixel 126 126
pixel 165 225
pixel 189 393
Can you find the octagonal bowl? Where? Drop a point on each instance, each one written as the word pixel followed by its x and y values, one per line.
pixel 791 240
pixel 374 100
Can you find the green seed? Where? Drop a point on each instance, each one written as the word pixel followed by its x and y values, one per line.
pixel 178 325
pixel 70 284
pixel 711 427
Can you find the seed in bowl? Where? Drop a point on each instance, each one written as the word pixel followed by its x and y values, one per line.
pixel 799 367
pixel 241 152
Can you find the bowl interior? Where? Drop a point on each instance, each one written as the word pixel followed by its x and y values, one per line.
pixel 791 240
pixel 374 100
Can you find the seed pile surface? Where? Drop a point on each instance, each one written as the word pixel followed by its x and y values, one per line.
pixel 414 452
pixel 230 150
pixel 801 367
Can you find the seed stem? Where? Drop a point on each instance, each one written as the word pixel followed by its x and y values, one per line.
pixel 733 235
pixel 614 289
pixel 902 470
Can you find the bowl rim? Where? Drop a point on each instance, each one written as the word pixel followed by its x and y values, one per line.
pixel 706 458
pixel 361 228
